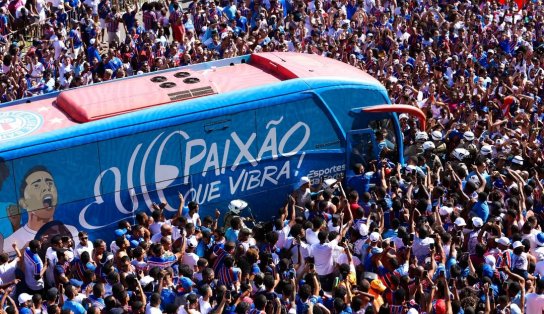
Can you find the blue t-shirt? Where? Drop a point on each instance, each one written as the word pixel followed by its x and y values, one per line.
pixel 74 307
pixel 480 209
pixel 232 235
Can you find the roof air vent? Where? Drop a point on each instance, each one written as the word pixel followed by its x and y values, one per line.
pixel 182 74
pixel 158 79
pixel 191 80
pixel 167 85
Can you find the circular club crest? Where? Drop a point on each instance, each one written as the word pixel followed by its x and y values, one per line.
pixel 14 124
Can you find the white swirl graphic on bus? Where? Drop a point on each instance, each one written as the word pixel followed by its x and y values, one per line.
pixel 215 157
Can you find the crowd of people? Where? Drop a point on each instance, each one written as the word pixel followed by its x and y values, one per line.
pixel 456 229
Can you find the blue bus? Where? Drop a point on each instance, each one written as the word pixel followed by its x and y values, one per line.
pixel 243 128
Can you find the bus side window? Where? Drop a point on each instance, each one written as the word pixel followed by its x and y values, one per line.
pixel 385 138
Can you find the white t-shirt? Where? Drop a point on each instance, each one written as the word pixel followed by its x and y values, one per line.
pixel 7 271
pixel 80 249
pixel 323 257
pixel 205 306
pixel 153 310
pixel 190 259
pixel 343 259
pixel 156 238
pixel 311 237
pixel 25 234
pixel 59 46
pixel 282 235
pixel 534 303
pixel 155 227
pixel 33 267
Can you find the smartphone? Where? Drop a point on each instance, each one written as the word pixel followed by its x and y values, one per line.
pixel 411 237
pixel 227 294
pixel 431 246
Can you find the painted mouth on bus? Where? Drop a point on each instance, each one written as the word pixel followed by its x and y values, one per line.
pixel 47 200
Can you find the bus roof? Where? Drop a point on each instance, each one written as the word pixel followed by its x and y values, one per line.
pixel 30 117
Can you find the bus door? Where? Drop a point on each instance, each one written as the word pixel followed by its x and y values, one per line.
pixel 361 148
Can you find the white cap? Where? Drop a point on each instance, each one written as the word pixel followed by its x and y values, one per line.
pixel 445 210
pixel 146 280
pixel 460 222
pixel 421 136
pixel 92 41
pixel 460 153
pixel 403 116
pixel 328 183
pixel 192 242
pixel 491 261
pixel 477 222
pixel 236 206
pixel 518 160
pixel 24 297
pixel 304 180
pixel 427 241
pixel 517 244
pixel 486 150
pixel 468 135
pixel 428 145
pixel 499 141
pixel 374 237
pixel 412 311
pixel 363 230
pixel 504 241
pixel 436 135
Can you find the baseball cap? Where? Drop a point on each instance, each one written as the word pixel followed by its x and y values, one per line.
pixel 436 136
pixel 485 150
pixel 518 160
pixel 517 244
pixel 51 294
pixel 90 266
pixel 304 180
pixel 363 230
pixel 539 239
pixel 491 261
pixel 186 283
pixel 374 237
pixel 120 232
pixel 377 285
pixel 427 241
pixel 460 222
pixel 477 222
pixel 76 283
pixel 504 241
pixel 24 297
pixel 445 210
pixel 146 280
pixel 192 242
pixel 376 250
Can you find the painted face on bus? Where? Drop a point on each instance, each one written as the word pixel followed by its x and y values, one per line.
pixel 40 194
